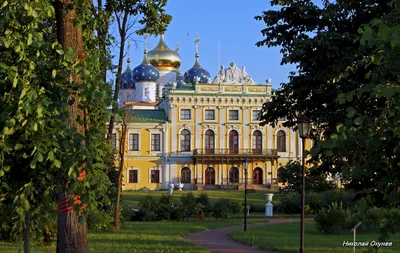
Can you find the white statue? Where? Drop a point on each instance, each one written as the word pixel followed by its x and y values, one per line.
pixel 233 75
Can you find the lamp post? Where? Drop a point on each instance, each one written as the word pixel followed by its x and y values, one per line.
pixel 303 124
pixel 245 194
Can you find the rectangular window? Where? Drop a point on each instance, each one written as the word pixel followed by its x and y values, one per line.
pixel 209 114
pixel 155 176
pixel 255 115
pixel 185 114
pixel 133 176
pixel 133 142
pixel 114 141
pixel 155 142
pixel 234 115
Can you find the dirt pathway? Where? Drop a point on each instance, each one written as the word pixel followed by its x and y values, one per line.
pixel 217 240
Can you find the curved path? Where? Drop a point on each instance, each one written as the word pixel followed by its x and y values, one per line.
pixel 218 241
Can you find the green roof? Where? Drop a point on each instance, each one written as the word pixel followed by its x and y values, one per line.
pixel 135 115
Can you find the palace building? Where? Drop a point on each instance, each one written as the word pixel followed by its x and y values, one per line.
pixel 191 129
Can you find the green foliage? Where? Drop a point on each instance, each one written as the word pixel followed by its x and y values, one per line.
pixel 332 220
pixel 189 207
pixel 315 201
pixel 223 208
pixel 347 58
pixel 39 149
pixel 291 175
pixel 290 203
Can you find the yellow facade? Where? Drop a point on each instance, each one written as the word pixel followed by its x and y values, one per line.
pixel 156 150
pixel 191 130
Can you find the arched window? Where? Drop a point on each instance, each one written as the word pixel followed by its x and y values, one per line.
pixel 185 140
pixel 281 141
pixel 234 175
pixel 257 141
pixel 233 142
pixel 209 142
pixel 185 175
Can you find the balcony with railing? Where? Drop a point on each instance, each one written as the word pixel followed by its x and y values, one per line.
pixel 234 152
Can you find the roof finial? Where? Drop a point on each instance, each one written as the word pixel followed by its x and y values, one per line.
pixel 177 47
pixel 197 45
pixel 129 49
pixel 145 43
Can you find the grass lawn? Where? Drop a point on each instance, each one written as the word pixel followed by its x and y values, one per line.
pixel 285 238
pixel 146 237
pixel 132 197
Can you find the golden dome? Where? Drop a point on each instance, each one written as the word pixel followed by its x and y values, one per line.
pixel 163 58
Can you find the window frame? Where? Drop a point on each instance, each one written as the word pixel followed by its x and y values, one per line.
pixel 153 144
pixel 281 141
pixel 188 175
pixel 208 111
pixel 154 180
pixel 181 114
pixel 131 146
pixel 133 176
pixel 252 114
pixel 185 143
pixel 229 115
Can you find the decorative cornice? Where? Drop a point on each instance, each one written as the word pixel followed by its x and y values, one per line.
pixel 185 126
pixel 255 127
pixel 212 127
pixel 233 127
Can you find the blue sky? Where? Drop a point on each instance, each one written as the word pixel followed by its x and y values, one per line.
pixel 232 24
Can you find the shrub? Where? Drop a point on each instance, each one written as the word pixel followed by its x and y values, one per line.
pixel 332 220
pixel 314 201
pixel 204 200
pixel 150 216
pixel 256 207
pixel 199 213
pixel 99 220
pixel 126 212
pixel 189 203
pixel 138 215
pixel 147 203
pixel 165 207
pixel 290 203
pixel 223 208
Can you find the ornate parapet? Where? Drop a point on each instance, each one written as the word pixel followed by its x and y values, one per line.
pixel 233 75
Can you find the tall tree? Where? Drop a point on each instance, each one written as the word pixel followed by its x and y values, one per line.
pixel 151 15
pixel 324 43
pixel 71 235
pixel 121 154
pixel 42 144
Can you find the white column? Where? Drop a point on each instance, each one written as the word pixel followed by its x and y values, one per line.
pixel 292 142
pixel 173 128
pixel 174 172
pixel 165 155
pixel 197 138
pixel 269 169
pixel 245 128
pixel 270 137
pixel 221 126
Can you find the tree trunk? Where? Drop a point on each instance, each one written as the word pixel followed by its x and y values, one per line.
pixel 71 235
pixel 120 173
pixel 27 230
pixel 122 32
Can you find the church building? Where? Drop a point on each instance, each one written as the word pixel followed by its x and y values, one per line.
pixel 197 131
